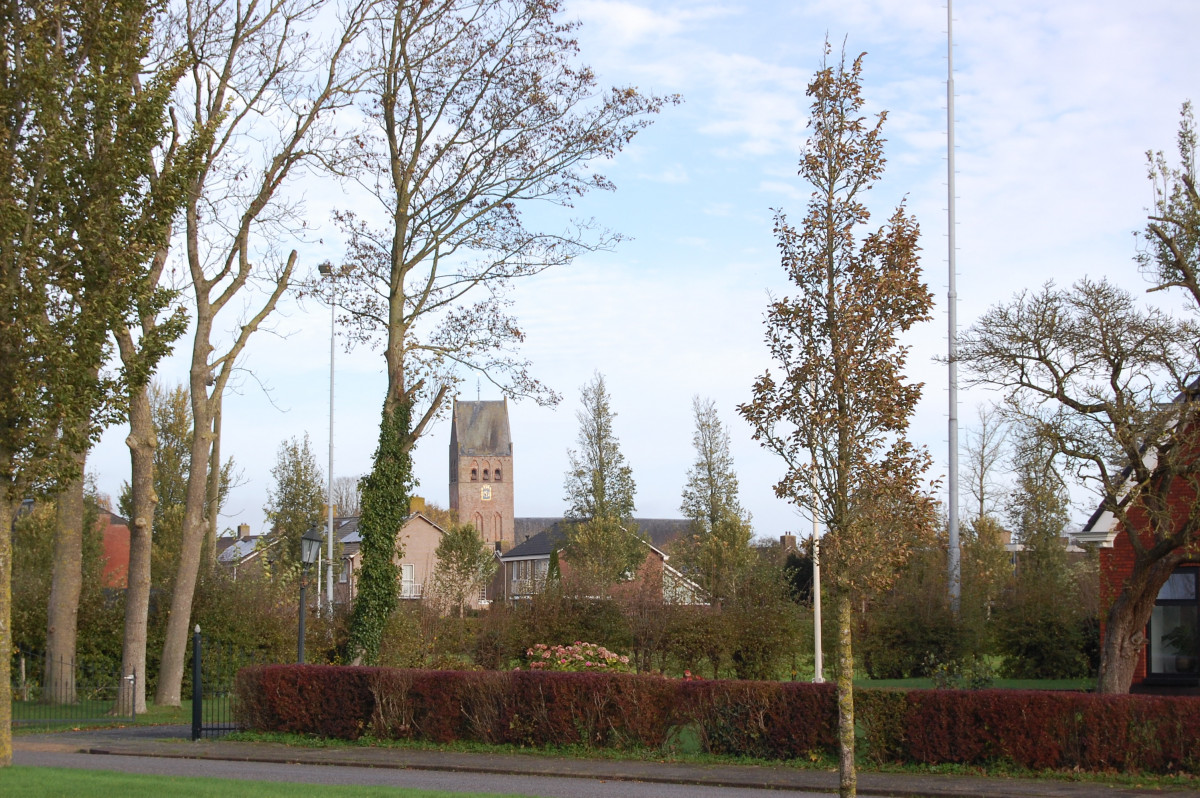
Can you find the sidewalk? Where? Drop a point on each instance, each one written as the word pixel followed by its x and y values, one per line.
pixel 172 742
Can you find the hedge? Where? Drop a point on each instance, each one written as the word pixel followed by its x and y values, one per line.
pixel 769 720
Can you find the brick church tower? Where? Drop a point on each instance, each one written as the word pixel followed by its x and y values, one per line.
pixel 481 469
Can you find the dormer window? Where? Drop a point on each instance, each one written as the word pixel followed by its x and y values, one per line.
pixel 496 475
pixel 474 475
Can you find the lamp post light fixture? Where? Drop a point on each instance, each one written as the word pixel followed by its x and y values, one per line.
pixel 310 547
pixel 326 270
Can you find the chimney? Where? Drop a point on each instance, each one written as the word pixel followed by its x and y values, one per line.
pixel 416 505
pixel 243 531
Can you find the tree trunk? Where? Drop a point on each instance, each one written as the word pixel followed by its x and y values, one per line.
pixel 213 489
pixel 195 525
pixel 62 612
pixel 1125 626
pixel 6 522
pixel 142 442
pixel 847 776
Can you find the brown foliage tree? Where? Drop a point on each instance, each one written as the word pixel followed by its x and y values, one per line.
pixel 837 409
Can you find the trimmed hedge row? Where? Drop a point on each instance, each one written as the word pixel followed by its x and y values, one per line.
pixel 771 720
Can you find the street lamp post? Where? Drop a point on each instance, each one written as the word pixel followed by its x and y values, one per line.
pixel 326 270
pixel 310 547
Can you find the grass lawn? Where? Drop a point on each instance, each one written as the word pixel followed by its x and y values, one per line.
pixel 1008 684
pixel 27 714
pixel 19 782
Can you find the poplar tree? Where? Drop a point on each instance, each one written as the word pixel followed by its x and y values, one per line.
pixel 80 217
pixel 601 536
pixel 836 408
pixel 718 550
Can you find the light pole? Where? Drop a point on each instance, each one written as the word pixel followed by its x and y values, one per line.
pixel 326 270
pixel 310 547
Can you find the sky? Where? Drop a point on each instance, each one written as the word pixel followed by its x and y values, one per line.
pixel 1056 105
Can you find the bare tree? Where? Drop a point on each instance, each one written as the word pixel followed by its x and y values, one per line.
pixel 837 408
pixel 479 110
pixel 347 498
pixel 264 85
pixel 1109 387
pixel 985 447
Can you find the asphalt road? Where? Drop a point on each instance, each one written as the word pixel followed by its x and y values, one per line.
pixel 490 783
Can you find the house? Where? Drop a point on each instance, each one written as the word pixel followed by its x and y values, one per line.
pixel 1171 656
pixel 524 569
pixel 114 541
pixel 418 538
pixel 246 553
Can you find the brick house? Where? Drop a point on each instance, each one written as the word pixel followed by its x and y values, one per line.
pixel 419 537
pixel 1170 657
pixel 524 568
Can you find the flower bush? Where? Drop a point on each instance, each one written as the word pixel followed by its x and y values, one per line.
pixel 578 657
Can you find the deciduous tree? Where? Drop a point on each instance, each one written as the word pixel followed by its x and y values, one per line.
pixel 837 406
pixel 1107 385
pixel 479 110
pixel 263 79
pixel 465 564
pixel 78 215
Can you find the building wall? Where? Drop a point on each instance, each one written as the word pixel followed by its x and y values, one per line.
pixel 1117 561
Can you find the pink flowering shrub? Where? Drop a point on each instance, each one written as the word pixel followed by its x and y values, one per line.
pixel 578 657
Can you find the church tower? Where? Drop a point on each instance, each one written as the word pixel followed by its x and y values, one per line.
pixel 481 469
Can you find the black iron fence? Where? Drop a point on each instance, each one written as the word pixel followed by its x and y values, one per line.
pixel 214 666
pixel 53 690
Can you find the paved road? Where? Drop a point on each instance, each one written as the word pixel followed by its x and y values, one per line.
pixel 489 783
pixel 166 750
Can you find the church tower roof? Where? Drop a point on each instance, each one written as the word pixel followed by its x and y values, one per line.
pixel 481 428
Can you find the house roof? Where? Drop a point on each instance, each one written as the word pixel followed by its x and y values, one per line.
pixel 481 428
pixel 346 530
pixel 1101 526
pixel 658 532
pixel 239 550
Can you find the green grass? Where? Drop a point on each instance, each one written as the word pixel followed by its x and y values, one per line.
pixel 22 782
pixel 154 716
pixel 1008 684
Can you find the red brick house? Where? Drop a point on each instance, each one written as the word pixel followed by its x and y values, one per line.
pixel 115 542
pixel 1170 657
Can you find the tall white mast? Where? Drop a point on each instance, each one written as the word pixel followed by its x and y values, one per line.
pixel 952 319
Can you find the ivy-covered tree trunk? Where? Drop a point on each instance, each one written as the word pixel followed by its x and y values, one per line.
pixel 385 498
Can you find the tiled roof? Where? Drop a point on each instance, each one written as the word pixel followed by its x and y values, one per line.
pixel 481 428
pixel 537 537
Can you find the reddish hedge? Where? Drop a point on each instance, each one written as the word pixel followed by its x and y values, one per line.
pixel 773 720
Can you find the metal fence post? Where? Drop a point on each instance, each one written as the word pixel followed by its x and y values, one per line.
pixel 197 691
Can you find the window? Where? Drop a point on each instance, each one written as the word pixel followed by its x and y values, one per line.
pixel 485 475
pixel 474 474
pixel 1174 633
pixel 496 475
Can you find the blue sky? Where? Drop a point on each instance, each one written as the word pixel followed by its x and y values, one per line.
pixel 1056 106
